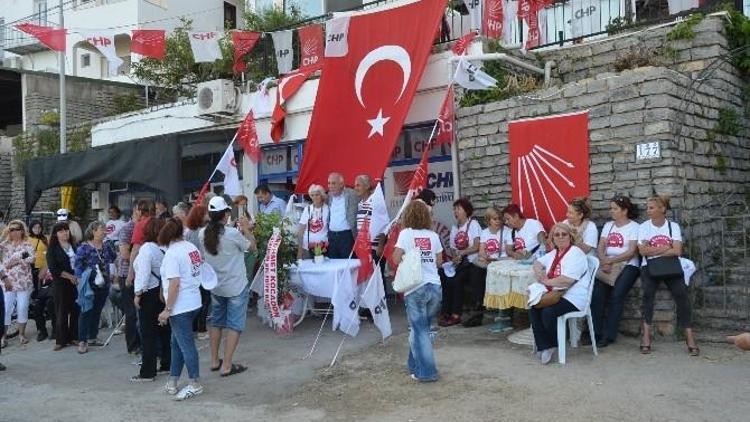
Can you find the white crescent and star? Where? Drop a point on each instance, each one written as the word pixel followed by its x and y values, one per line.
pixel 394 53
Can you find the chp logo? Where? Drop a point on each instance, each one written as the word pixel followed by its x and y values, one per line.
pixel 519 244
pixel 316 225
pixel 660 240
pixel 423 243
pixel 492 246
pixel 493 18
pixel 615 240
pixel 100 41
pixel 461 240
pixel 204 36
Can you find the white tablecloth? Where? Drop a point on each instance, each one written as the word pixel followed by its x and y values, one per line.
pixel 507 283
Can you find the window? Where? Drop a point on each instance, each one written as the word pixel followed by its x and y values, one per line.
pixel 40 11
pixel 85 60
pixel 230 16
pixel 263 5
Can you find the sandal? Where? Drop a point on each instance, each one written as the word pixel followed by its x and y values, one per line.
pixel 646 348
pixel 82 348
pixel 216 368
pixel 694 351
pixel 236 369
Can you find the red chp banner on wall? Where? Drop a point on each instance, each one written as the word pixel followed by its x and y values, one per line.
pixel 492 19
pixel 149 43
pixel 364 95
pixel 549 164
pixel 311 46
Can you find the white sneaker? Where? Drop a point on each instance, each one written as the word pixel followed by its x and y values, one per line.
pixel 189 391
pixel 547 355
pixel 171 387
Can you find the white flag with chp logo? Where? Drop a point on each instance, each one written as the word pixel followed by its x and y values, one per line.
pixel 228 166
pixel 282 44
pixel 105 43
pixel 205 46
pixel 475 12
pixel 470 76
pixel 337 31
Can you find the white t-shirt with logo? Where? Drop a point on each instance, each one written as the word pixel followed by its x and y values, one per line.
pixel 182 260
pixel 658 236
pixel 113 228
pixel 526 237
pixel 463 237
pixel 494 243
pixel 617 239
pixel 428 243
pixel 315 221
pixel 574 266
pixel 590 235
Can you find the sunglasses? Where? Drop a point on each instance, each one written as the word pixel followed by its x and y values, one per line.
pixel 15 229
pixel 561 234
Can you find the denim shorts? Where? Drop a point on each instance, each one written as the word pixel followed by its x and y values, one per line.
pixel 230 312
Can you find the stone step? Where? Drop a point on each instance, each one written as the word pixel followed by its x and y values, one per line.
pixel 719 327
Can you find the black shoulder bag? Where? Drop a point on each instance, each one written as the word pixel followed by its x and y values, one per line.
pixel 665 267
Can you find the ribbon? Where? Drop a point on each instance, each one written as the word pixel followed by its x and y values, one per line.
pixel 270 278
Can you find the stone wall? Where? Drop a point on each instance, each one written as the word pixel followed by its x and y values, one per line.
pixel 679 107
pixel 5 173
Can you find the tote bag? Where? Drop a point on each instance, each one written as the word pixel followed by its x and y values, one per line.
pixel 409 273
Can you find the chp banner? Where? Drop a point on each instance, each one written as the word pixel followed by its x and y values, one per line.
pixel 205 46
pixel 105 43
pixel 282 44
pixel 310 46
pixel 364 96
pixel 228 166
pixel 149 43
pixel 54 38
pixel 243 42
pixel 549 164
pixel 492 19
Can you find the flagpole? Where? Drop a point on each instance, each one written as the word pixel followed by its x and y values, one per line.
pixel 63 118
pixel 217 166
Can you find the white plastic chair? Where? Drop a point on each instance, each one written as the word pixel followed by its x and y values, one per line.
pixel 570 317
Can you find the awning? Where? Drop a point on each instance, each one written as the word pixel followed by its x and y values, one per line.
pixel 154 163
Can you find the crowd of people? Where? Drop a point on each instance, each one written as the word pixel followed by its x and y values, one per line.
pixel 158 269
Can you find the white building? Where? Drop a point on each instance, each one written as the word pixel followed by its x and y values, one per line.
pixel 120 16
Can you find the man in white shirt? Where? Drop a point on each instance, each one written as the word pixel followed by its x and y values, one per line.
pixel 268 202
pixel 114 225
pixel 342 228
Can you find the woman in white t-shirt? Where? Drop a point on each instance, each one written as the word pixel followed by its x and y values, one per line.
pixel 563 268
pixel 180 280
pixel 659 237
pixel 579 218
pixel 422 302
pixel 313 224
pixel 463 251
pixel 527 234
pixel 618 253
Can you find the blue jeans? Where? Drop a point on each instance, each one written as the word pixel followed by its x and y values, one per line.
pixel 184 352
pixel 88 322
pixel 422 305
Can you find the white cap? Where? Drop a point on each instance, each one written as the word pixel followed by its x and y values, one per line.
pixel 62 214
pixel 217 203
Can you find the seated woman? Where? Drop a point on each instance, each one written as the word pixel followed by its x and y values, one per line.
pixel 563 268
pixel 618 269
pixel 313 224
pixel 526 236
pixel 659 237
pixel 578 217
pixel 464 245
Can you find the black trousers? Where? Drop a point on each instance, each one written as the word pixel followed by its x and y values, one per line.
pixel 679 294
pixel 544 323
pixel 478 286
pixel 66 311
pixel 340 244
pixel 132 338
pixel 611 298
pixel 44 307
pixel 199 323
pixel 453 289
pixel 154 337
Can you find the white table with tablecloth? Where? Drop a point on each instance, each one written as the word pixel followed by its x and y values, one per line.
pixel 507 283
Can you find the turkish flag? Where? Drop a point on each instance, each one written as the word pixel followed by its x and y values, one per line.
pixel 364 96
pixel 492 19
pixel 149 43
pixel 247 135
pixel 311 46
pixel 54 38
pixel 362 248
pixel 243 42
pixel 549 164
pixel 288 86
pixel 463 43
pixel 445 119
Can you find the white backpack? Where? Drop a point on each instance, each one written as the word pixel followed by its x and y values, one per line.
pixel 409 272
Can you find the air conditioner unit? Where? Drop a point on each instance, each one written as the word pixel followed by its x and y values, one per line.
pixel 218 97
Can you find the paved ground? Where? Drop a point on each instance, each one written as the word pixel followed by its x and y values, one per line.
pixel 484 378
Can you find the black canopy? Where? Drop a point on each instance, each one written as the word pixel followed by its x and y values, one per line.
pixel 154 163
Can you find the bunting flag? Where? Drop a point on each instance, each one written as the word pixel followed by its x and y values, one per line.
pixel 149 43
pixel 460 47
pixel 367 93
pixel 529 10
pixel 472 77
pixel 446 118
pixel 282 44
pixel 475 12
pixel 311 46
pixel 288 86
pixel 205 46
pixel 337 36
pixel 243 42
pixel 202 194
pixel 362 249
pixel 53 38
pixel 228 166
pixel 510 21
pixel 419 178
pixel 248 137
pixel 105 43
pixel 492 19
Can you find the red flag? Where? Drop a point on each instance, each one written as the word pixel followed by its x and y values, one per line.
pixel 445 119
pixel 243 42
pixel 364 96
pixel 363 248
pixel 248 137
pixel 149 42
pixel 390 245
pixel 54 38
pixel 311 46
pixel 528 10
pixel 202 193
pixel 459 48
pixel 288 86
pixel 419 179
pixel 492 19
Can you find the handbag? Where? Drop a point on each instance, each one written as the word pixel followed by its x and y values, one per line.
pixel 665 267
pixel 611 277
pixel 550 298
pixel 409 272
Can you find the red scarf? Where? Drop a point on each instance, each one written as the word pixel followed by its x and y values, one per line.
pixel 555 262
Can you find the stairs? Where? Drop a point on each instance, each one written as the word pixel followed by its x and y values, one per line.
pixel 724 308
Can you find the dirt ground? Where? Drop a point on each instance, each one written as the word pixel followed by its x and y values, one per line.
pixel 484 377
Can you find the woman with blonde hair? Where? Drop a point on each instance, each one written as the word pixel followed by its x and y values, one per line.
pixel 563 268
pixel 579 218
pixel 313 224
pixel 661 238
pixel 16 257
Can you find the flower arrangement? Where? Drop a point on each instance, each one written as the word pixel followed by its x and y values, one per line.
pixel 318 248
